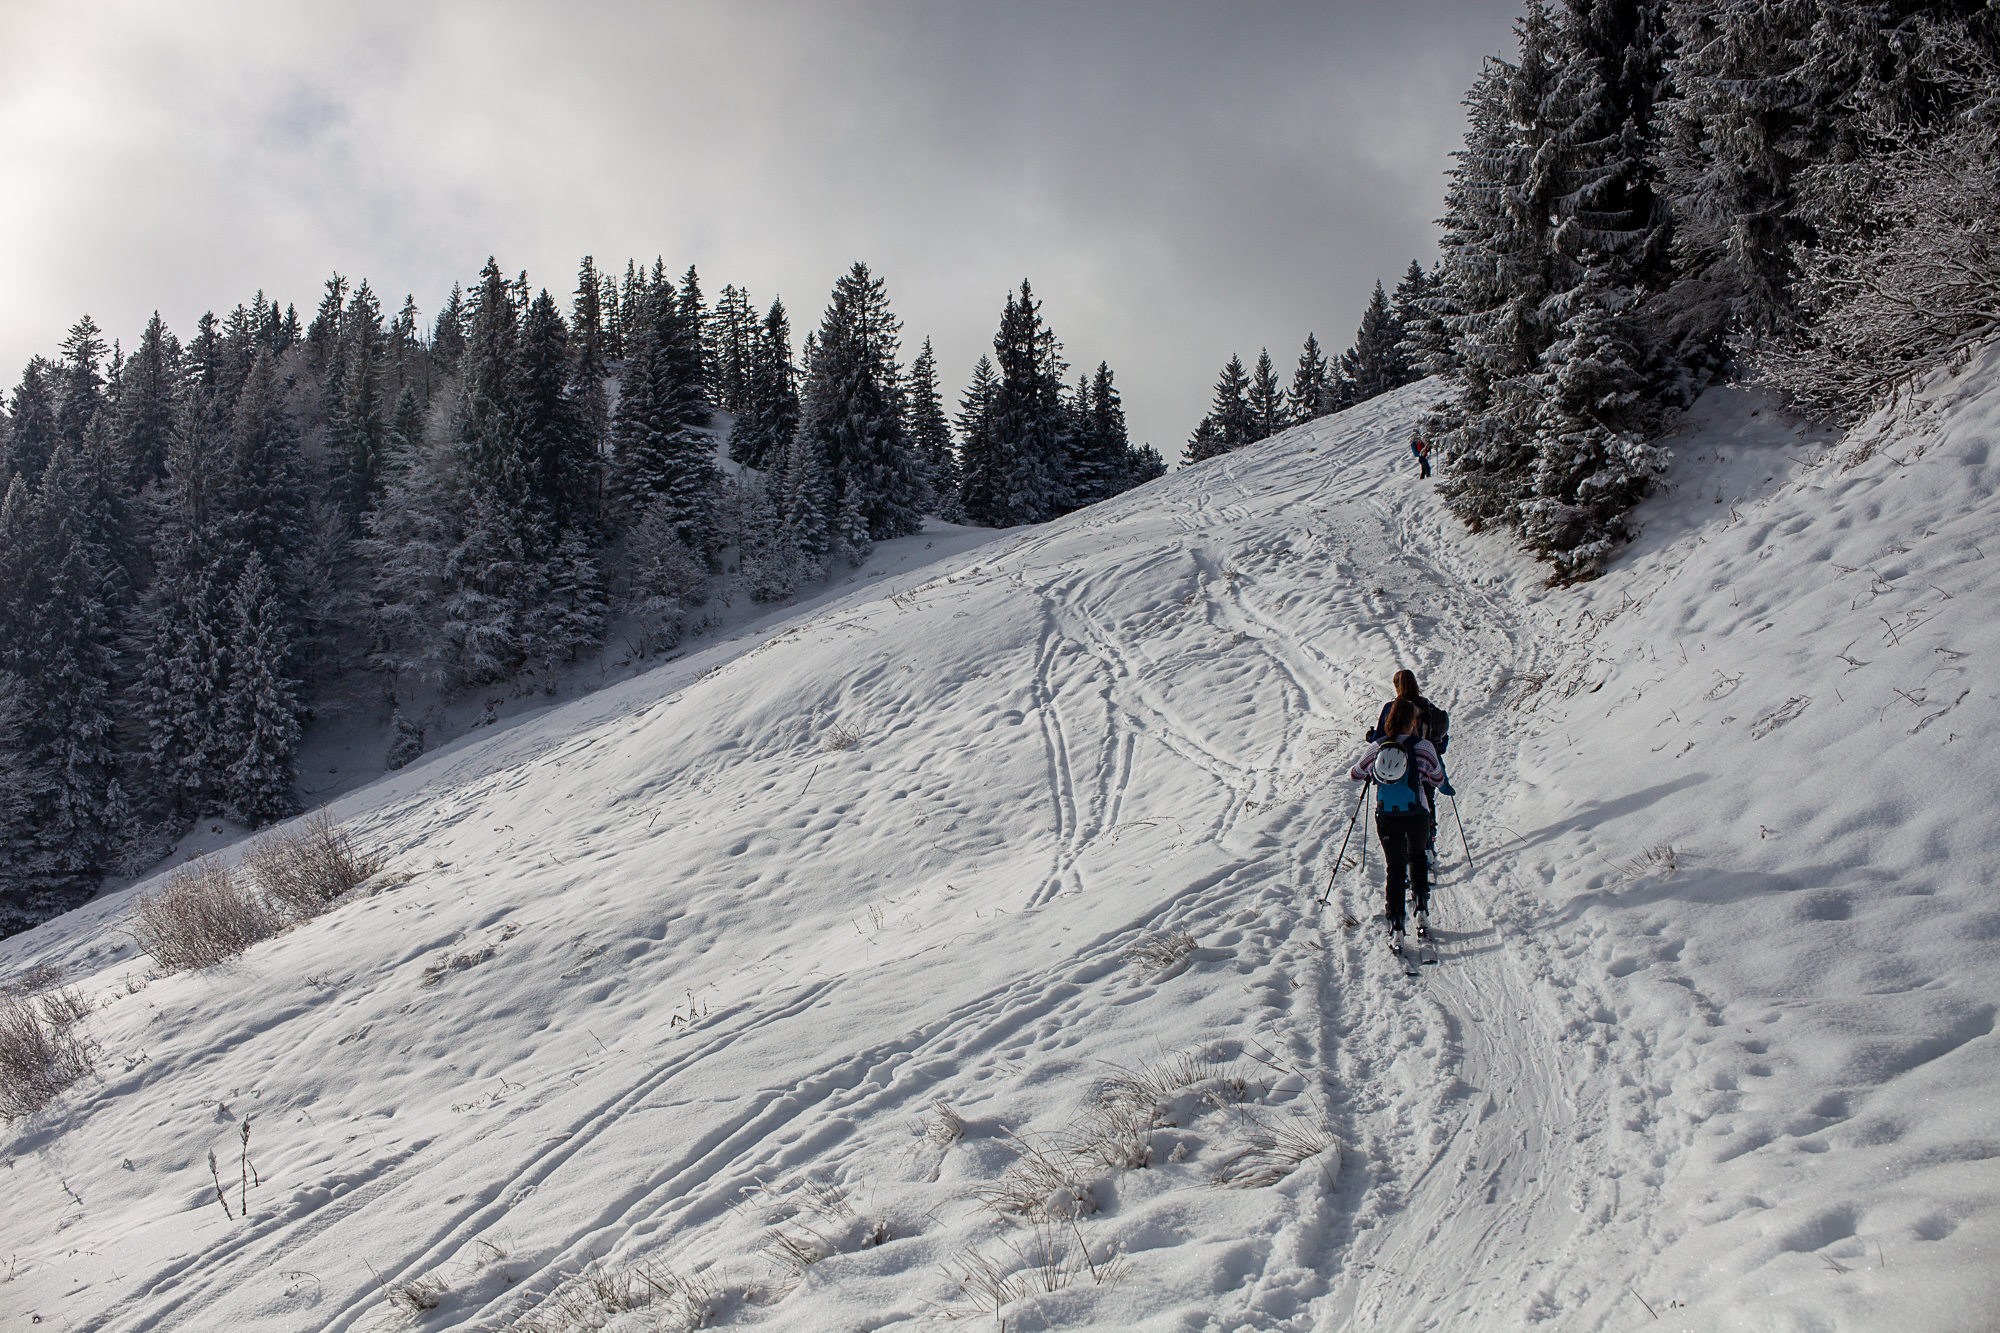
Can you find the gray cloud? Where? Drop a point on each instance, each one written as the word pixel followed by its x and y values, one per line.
pixel 1180 181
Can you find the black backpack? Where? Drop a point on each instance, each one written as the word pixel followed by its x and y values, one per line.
pixel 1433 724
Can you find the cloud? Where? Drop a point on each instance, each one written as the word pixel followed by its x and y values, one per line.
pixel 1180 181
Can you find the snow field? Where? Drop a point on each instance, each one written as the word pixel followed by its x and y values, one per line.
pixel 832 969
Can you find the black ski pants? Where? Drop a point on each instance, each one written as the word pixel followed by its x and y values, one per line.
pixel 1403 838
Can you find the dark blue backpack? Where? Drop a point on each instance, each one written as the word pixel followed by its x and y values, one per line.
pixel 1398 783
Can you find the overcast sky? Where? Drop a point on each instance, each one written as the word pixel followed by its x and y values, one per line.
pixel 1179 181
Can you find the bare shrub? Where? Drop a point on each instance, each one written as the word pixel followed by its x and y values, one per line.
pixel 1270 1153
pixel 305 866
pixel 39 978
pixel 1161 951
pixel 1662 860
pixel 202 917
pixel 41 1054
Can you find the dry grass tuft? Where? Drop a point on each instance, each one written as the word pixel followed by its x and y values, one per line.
pixel 203 916
pixel 943 1125
pixel 1270 1153
pixel 1159 952
pixel 420 1295
pixel 41 1054
pixel 841 736
pixel 668 1302
pixel 303 868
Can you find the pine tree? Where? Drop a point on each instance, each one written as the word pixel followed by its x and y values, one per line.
pixel 448 335
pixel 1026 415
pixel 735 346
pixel 33 420
pixel 851 409
pixel 408 362
pixel 1229 413
pixel 984 464
pixel 591 345
pixel 1425 347
pixel 763 432
pixel 1308 398
pixel 1266 399
pixel 1103 451
pixel 60 604
pixel 1373 364
pixel 929 434
pixel 1205 443
pixel 571 611
pixel 694 316
pixel 661 458
pixel 359 427
pixel 554 442
pixel 79 382
pixel 146 405
pixel 262 491
pixel 261 711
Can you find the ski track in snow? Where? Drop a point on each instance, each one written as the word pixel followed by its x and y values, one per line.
pixel 687 958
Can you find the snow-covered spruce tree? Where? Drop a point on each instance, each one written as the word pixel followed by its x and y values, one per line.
pixel 146 404
pixel 770 562
pixel 406 742
pixel 1230 408
pixel 1375 365
pixel 1205 443
pixel 26 898
pixel 262 486
pixel 590 348
pixel 555 445
pixel 60 603
pixel 1308 395
pixel 733 339
pixel 1425 346
pixel 1103 449
pixel 358 428
pixel 1266 399
pixel 1026 416
pixel 1906 274
pixel 1554 238
pixel 448 333
pixel 572 608
pixel 851 411
pixel 79 382
pixel 983 465
pixel 661 457
pixel 694 316
pixel 807 505
pixel 929 434
pixel 183 685
pixel 261 710
pixel 32 419
pixel 770 411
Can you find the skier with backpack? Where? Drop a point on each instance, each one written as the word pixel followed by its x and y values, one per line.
pixel 1433 725
pixel 1423 455
pixel 1404 767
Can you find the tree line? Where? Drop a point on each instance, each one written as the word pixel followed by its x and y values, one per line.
pixel 1657 195
pixel 207 545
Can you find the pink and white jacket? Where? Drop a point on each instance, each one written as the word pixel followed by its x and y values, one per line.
pixel 1427 765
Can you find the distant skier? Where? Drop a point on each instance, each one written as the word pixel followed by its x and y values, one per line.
pixel 1403 767
pixel 1423 453
pixel 1433 725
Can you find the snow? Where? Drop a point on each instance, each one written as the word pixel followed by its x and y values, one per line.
pixel 676 983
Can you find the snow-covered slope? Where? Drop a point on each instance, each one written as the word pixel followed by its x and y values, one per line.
pixel 678 985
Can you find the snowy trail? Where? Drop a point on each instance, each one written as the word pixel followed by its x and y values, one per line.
pixel 677 975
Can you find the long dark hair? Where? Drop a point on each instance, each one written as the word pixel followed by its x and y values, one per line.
pixel 1406 685
pixel 1402 713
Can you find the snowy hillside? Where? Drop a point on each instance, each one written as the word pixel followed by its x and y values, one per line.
pixel 828 978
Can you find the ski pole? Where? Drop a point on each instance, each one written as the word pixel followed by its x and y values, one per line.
pixel 1343 842
pixel 1469 868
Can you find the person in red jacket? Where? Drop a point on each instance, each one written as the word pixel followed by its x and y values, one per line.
pixel 1402 765
pixel 1423 453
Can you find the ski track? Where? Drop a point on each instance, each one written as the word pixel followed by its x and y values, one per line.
pixel 1195 705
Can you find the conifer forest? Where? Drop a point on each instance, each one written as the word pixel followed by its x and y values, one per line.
pixel 214 538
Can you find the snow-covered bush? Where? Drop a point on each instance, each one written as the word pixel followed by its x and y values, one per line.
pixel 303 868
pixel 41 1053
pixel 203 916
pixel 665 578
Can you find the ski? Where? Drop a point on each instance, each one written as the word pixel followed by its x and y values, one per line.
pixel 1404 958
pixel 1426 942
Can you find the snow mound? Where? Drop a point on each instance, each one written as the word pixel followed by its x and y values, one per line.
pixel 951 947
